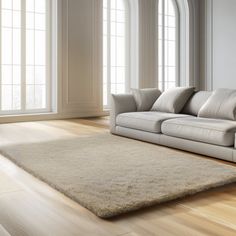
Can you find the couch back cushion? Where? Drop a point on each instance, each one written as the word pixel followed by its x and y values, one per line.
pixel 195 102
pixel 145 98
pixel 220 105
pixel 173 100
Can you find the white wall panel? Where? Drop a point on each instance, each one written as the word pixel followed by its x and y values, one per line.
pixel 147 44
pixel 81 57
pixel 224 46
pixel 219 48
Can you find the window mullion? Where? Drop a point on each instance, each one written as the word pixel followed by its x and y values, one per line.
pixel 177 46
pixel 12 38
pixel 23 55
pixel 34 54
pixel 108 53
pixel 163 46
pixel 116 48
pixel 48 28
pixel 1 55
pixel 127 52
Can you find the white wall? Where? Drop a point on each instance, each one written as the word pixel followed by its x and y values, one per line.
pixel 219 45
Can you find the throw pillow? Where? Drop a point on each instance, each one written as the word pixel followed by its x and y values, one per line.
pixel 145 98
pixel 220 105
pixel 173 100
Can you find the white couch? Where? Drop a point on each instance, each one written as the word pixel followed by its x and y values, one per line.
pixel 186 131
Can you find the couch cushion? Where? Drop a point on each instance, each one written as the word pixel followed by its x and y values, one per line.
pixel 173 100
pixel 213 131
pixel 196 101
pixel 220 105
pixel 146 121
pixel 145 98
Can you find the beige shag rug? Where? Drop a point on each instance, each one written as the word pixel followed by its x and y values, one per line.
pixel 111 175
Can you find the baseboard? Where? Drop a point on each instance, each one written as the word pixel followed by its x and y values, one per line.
pixel 50 116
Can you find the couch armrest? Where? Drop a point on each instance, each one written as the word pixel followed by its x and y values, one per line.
pixel 120 103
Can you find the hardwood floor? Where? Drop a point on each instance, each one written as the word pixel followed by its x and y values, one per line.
pixel 28 207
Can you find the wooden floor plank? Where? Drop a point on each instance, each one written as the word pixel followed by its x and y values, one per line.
pixel 21 214
pixel 3 232
pixel 7 185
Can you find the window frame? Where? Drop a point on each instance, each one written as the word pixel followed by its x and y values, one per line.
pixel 177 44
pixel 50 61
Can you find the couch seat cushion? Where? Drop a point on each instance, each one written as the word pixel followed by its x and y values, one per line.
pixel 213 131
pixel 146 121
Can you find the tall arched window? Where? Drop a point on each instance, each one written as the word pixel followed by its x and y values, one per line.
pixel 168 44
pixel 115 48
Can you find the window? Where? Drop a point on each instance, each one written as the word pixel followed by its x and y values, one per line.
pixel 25 56
pixel 115 53
pixel 167 44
